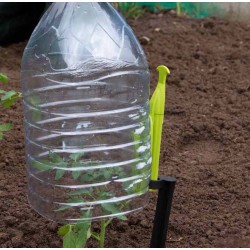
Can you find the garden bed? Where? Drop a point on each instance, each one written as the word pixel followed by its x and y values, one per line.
pixel 205 144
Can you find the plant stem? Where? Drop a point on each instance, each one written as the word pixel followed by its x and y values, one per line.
pixel 96 237
pixel 178 8
pixel 102 234
pixel 108 222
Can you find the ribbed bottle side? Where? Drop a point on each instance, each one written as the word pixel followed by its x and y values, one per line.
pixel 87 145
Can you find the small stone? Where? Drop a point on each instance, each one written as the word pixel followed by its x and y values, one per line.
pixel 157 29
pixel 144 224
pixel 52 226
pixel 209 233
pixel 144 40
pixel 193 162
pixel 133 220
pixel 10 220
pixel 172 12
pixel 218 226
pixel 243 87
pixel 212 71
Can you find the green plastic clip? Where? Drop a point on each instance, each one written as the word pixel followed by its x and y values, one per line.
pixel 157 107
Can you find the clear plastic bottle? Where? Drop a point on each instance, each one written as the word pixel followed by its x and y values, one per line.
pixel 85 83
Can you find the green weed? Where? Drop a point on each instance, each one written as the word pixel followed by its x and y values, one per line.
pixel 7 100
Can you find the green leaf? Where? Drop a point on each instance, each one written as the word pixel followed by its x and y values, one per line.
pixel 70 200
pixel 97 174
pixel 36 115
pixel 4 78
pixel 62 208
pixel 59 174
pixel 76 174
pixel 82 192
pixel 59 162
pixel 42 165
pixel 7 103
pixel 102 173
pixel 76 156
pixel 122 217
pixel 1 136
pixel 34 100
pixel 78 235
pixel 83 230
pixel 75 200
pixel 2 91
pixel 88 176
pixel 83 235
pixel 63 230
pixel 113 209
pixel 69 240
pixel 89 233
pixel 86 214
pixel 105 195
pixel 9 95
pixel 108 173
pixel 122 175
pixel 55 158
pixel 6 127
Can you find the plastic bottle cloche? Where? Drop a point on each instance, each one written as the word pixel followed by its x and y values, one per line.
pixel 85 83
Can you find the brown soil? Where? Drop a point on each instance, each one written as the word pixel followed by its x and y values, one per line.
pixel 206 140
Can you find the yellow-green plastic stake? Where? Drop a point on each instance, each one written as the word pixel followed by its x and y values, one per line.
pixel 157 107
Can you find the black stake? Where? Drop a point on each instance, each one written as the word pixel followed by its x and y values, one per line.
pixel 165 185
